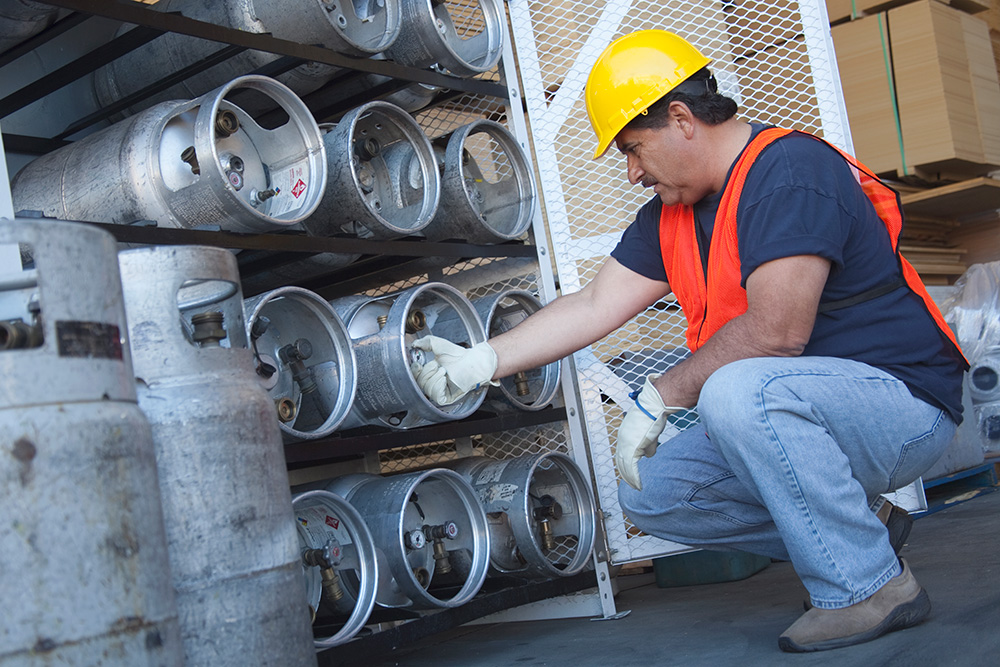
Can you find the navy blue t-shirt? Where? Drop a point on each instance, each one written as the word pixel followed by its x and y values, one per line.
pixel 801 198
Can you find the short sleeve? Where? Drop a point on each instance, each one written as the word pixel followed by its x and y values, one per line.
pixel 799 198
pixel 639 246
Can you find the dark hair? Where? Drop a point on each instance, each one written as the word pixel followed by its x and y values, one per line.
pixel 698 92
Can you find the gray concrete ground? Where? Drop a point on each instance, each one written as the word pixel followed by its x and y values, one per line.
pixel 954 553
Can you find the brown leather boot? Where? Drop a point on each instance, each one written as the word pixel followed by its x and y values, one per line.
pixel 899 604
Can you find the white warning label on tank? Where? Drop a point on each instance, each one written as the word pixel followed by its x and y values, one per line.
pixel 291 183
pixel 497 493
pixel 491 473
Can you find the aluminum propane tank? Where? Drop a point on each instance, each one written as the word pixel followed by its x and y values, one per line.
pixel 383 330
pixel 339 561
pixel 464 42
pixel 304 360
pixel 226 499
pixel 187 164
pixel 487 192
pixel 383 182
pixel 542 514
pixel 353 28
pixel 431 530
pixel 532 389
pixel 85 578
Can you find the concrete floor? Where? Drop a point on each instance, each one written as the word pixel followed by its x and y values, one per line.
pixel 954 553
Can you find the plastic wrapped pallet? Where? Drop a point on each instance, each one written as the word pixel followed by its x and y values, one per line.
pixel 973 311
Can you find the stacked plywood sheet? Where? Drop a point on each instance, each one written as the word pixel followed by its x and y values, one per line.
pixel 865 64
pixel 921 76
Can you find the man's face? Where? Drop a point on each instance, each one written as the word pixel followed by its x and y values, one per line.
pixel 663 159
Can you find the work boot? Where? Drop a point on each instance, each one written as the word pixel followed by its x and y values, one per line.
pixel 899 604
pixel 898 521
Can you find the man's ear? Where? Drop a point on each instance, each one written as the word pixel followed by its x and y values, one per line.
pixel 680 114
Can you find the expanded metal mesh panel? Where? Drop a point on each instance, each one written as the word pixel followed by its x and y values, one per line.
pixel 774 57
pixel 467 17
pixel 463 110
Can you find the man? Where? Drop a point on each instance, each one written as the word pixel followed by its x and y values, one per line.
pixel 822 373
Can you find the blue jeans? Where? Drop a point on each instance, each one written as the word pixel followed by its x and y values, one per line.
pixel 788 461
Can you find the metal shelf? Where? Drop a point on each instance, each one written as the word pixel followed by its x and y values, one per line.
pixel 354 442
pixel 382 262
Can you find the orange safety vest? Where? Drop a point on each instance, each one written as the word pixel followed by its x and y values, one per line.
pixel 709 304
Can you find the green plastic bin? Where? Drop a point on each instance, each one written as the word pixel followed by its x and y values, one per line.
pixel 706 567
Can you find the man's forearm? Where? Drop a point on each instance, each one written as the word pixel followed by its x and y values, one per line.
pixel 782 298
pixel 681 385
pixel 576 320
pixel 557 330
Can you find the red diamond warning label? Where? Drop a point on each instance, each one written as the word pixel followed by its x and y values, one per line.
pixel 299 188
pixel 332 522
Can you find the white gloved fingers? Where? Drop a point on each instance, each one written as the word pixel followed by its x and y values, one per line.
pixel 433 381
pixel 446 352
pixel 640 431
pixel 638 436
pixel 455 370
pixel 439 346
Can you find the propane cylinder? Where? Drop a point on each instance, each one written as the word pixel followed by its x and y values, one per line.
pixel 984 377
pixel 351 28
pixel 85 574
pixel 983 395
pixel 383 330
pixel 223 482
pixel 304 359
pixel 487 192
pixel 462 38
pixel 382 183
pixel 432 531
pixel 339 560
pixel 21 19
pixel 541 513
pixel 527 390
pixel 382 178
pixel 411 98
pixel 203 162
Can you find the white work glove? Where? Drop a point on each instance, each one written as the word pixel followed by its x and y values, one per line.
pixel 455 370
pixel 639 433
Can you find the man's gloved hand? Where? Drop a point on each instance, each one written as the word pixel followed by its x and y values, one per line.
pixel 455 370
pixel 639 433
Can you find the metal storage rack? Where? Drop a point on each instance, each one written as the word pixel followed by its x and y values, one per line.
pixel 384 265
pixel 774 56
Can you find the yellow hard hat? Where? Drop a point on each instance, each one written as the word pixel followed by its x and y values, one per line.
pixel 633 72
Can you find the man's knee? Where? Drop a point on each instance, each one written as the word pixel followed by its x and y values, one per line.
pixel 659 499
pixel 646 513
pixel 728 392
